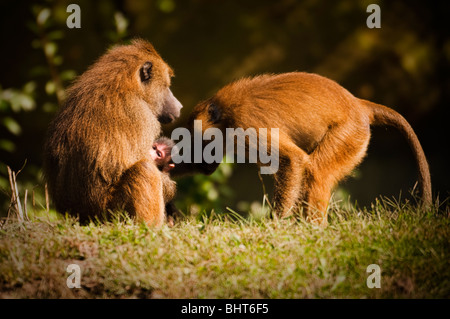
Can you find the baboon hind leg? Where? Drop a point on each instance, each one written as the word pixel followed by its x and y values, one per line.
pixel 288 179
pixel 339 152
pixel 140 193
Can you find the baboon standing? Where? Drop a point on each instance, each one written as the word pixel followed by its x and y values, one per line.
pixel 324 132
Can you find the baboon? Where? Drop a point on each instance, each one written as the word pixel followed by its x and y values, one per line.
pixel 97 153
pixel 324 132
pixel 161 153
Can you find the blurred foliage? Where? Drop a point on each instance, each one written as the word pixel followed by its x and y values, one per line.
pixel 13 101
pixel 404 65
pixel 201 193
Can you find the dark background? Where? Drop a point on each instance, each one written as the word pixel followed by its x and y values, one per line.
pixel 403 65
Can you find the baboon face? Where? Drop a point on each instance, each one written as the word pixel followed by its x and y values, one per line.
pixel 209 112
pixel 210 115
pixel 154 77
pixel 161 153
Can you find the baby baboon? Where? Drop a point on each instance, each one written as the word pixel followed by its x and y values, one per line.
pixel 161 153
pixel 97 151
pixel 324 132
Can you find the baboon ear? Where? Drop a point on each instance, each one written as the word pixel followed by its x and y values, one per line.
pixel 215 115
pixel 146 71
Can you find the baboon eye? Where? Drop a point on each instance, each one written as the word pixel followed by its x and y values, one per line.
pixel 158 153
pixel 214 113
pixel 146 71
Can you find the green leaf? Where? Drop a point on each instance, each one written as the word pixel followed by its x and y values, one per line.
pixel 58 60
pixel 12 125
pixel 23 102
pixel 121 23
pixel 50 88
pixel 3 106
pixel 43 16
pixel 7 146
pixel 49 107
pixel 56 35
pixel 50 49
pixel 166 6
pixel 39 70
pixel 68 75
pixel 29 88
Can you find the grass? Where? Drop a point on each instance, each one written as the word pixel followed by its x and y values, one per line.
pixel 225 256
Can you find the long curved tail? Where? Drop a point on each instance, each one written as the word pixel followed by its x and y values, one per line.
pixel 382 115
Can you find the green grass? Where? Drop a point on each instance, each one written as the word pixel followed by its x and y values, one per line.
pixel 224 256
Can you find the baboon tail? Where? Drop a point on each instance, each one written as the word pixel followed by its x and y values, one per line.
pixel 382 115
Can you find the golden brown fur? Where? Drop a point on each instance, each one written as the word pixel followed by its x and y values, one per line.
pixel 97 151
pixel 324 133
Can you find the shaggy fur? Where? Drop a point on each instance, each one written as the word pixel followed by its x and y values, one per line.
pixel 97 153
pixel 324 133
